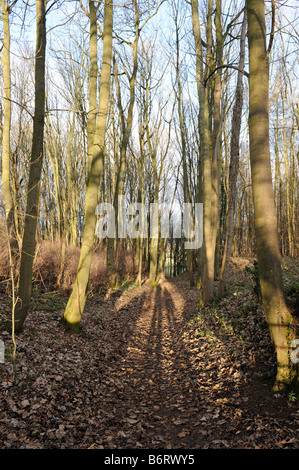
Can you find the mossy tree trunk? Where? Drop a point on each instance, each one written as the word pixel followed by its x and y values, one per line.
pixel 276 312
pixel 75 306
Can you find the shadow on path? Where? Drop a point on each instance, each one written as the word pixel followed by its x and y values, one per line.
pixel 179 390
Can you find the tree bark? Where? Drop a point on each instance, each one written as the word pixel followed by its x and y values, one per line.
pixel 75 306
pixel 33 190
pixel 278 318
pixel 208 248
pixel 234 164
pixel 6 187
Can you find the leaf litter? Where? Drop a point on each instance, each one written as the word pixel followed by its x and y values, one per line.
pixel 148 370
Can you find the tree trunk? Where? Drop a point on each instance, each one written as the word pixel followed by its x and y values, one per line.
pixel 216 131
pixel 276 312
pixel 77 300
pixel 126 124
pixel 234 164
pixel 6 188
pixel 140 199
pixel 208 248
pixel 33 190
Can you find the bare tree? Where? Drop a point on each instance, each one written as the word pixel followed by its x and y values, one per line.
pixel 77 300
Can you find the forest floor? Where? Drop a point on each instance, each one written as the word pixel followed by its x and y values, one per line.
pixel 149 370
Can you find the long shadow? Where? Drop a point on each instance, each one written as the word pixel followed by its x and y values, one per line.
pixel 194 395
pixel 216 382
pixel 154 342
pixel 165 342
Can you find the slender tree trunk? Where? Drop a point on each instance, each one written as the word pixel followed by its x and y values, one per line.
pixel 215 118
pixel 208 248
pixel 154 248
pixel 276 312
pixel 216 137
pixel 293 194
pixel 140 198
pixel 93 83
pixel 33 190
pixel 234 164
pixel 6 187
pixel 77 300
pixel 71 223
pixel 183 137
pixel 126 124
pixel 52 151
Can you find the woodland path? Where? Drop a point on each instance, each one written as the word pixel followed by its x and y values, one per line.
pixel 174 389
pixel 141 375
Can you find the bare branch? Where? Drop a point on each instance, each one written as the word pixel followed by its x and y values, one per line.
pixel 226 67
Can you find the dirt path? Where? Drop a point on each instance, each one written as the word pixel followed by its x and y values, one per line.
pixel 143 374
pixel 175 389
pixel 158 395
